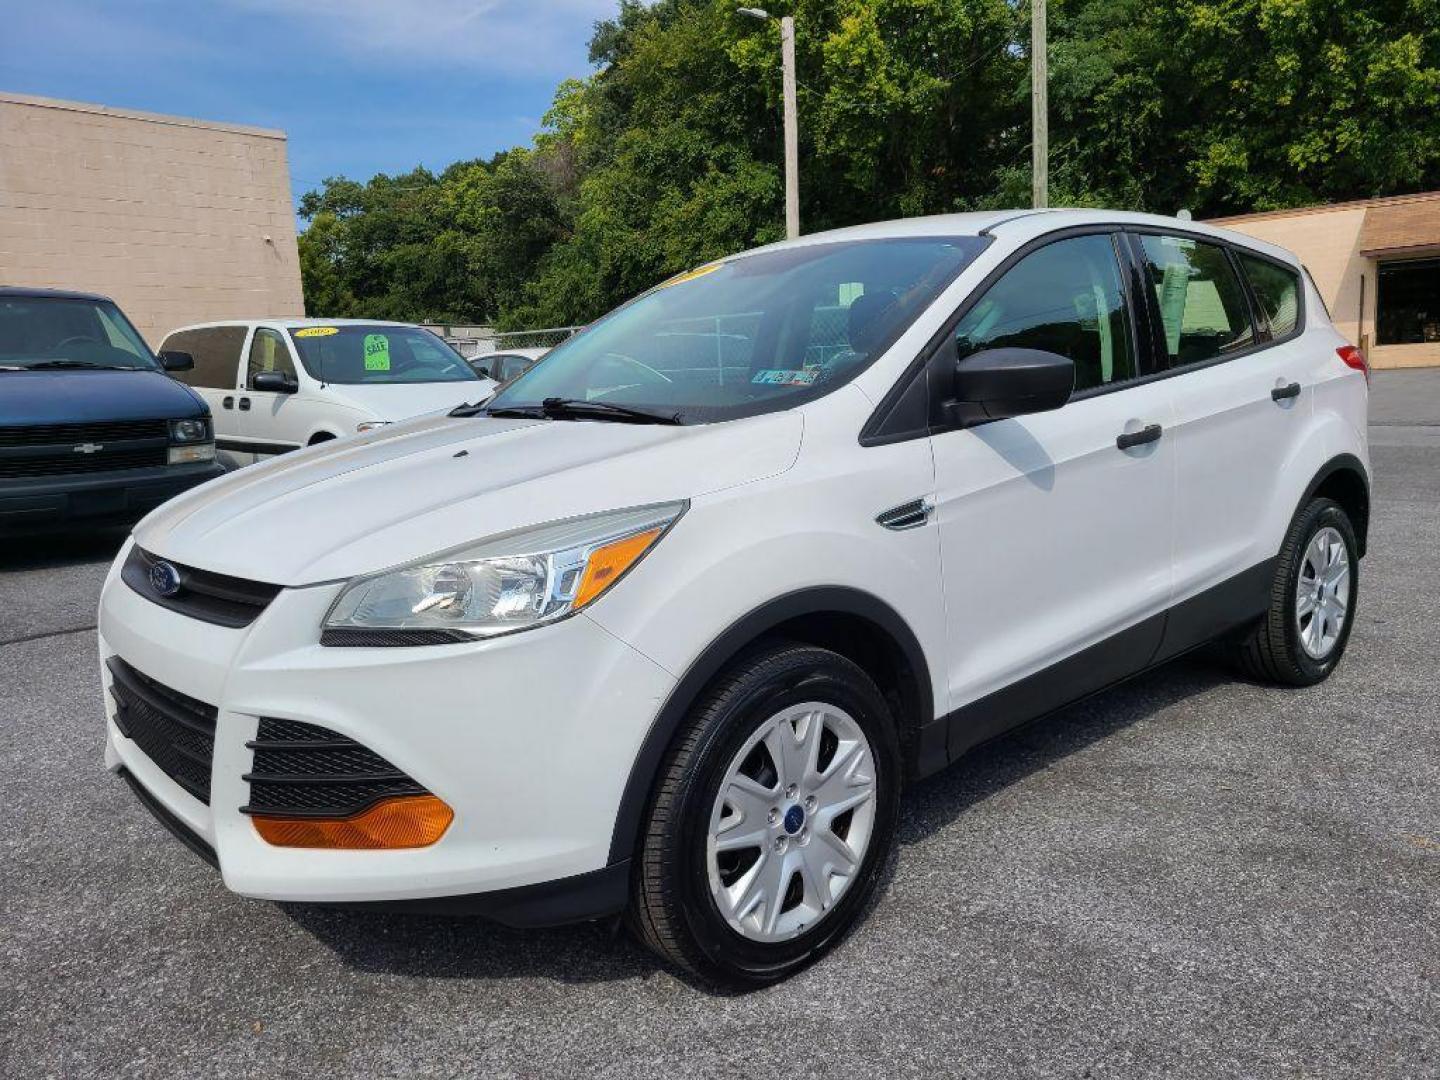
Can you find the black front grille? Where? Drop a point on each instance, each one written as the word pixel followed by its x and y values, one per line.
pixel 202 594
pixel 69 434
pixel 67 449
pixel 173 730
pixel 302 770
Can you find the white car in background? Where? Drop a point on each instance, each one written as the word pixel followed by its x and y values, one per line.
pixel 275 385
pixel 504 366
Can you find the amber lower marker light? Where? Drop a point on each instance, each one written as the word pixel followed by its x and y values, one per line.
pixel 406 821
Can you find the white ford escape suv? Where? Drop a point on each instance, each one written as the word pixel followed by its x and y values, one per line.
pixel 666 625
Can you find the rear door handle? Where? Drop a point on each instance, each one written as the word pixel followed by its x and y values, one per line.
pixel 1148 434
pixel 244 404
pixel 1281 393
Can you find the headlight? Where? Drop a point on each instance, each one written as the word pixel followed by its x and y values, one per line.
pixel 509 582
pixel 189 431
pixel 370 425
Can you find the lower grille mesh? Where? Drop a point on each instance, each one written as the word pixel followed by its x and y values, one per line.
pixel 303 770
pixel 173 730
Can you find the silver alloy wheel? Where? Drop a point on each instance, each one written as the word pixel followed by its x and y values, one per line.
pixel 791 822
pixel 1322 593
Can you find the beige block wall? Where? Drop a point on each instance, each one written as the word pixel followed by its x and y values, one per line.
pixel 1327 240
pixel 167 215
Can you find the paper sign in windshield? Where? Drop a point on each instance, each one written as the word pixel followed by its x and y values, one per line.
pixel 377 352
pixel 786 378
pixel 317 331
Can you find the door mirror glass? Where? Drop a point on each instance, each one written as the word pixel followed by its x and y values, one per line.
pixel 996 384
pixel 276 382
pixel 174 360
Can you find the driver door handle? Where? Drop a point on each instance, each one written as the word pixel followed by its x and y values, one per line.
pixel 244 404
pixel 1148 434
pixel 228 403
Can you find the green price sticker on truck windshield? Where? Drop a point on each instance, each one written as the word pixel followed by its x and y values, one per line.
pixel 377 352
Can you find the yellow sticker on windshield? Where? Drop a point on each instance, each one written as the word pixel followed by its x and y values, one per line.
pixel 691 275
pixel 377 352
pixel 317 331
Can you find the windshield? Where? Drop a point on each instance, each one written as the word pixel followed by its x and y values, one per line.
pixel 752 334
pixel 378 354
pixel 54 332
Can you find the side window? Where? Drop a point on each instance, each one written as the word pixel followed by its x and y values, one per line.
pixel 1202 306
pixel 1065 298
pixel 267 353
pixel 1277 291
pixel 216 350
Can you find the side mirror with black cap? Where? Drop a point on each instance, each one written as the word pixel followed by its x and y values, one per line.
pixel 276 382
pixel 996 384
pixel 171 360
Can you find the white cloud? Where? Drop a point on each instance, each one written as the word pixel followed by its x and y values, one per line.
pixel 515 36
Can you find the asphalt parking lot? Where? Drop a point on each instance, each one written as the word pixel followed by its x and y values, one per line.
pixel 1186 876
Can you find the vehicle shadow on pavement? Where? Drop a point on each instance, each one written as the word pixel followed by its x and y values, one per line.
pixel 937 801
pixel 461 947
pixel 42 552
pixel 471 948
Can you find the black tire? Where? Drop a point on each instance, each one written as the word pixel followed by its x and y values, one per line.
pixel 1271 651
pixel 672 910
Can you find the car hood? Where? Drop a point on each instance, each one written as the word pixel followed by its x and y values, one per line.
pixel 82 397
pixel 358 505
pixel 401 401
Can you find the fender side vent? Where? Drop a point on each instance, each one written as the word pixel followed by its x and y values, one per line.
pixel 909 515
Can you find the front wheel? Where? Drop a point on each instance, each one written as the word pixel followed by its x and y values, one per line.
pixel 771 818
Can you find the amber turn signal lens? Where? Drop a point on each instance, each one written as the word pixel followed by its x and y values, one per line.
pixel 408 821
pixel 610 561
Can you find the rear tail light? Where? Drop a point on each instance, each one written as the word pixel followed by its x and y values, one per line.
pixel 1354 358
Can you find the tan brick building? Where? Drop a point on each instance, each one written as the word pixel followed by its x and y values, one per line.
pixel 179 220
pixel 1376 262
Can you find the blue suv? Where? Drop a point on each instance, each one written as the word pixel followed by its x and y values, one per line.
pixel 92 429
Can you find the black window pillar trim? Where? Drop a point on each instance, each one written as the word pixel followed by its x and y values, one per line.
pixel 878 430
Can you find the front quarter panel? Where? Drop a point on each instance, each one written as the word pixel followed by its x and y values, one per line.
pixel 811 528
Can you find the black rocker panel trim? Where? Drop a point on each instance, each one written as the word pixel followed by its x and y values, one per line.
pixel 817 601
pixel 1233 603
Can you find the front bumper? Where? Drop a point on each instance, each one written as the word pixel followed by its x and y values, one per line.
pixel 100 498
pixel 529 738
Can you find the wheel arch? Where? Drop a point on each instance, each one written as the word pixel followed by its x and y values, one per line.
pixel 849 621
pixel 1344 479
pixel 321 435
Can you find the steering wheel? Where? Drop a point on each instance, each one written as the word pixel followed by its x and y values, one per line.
pixel 76 338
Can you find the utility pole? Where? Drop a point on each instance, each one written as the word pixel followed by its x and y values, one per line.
pixel 792 129
pixel 1039 108
pixel 792 123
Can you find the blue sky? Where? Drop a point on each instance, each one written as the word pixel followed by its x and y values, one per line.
pixel 360 86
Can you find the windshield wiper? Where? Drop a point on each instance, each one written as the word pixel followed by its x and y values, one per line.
pixel 558 408
pixel 79 364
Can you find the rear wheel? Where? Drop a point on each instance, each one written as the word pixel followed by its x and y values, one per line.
pixel 773 813
pixel 1312 601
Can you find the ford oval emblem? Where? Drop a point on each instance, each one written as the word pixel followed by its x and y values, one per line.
pixel 164 579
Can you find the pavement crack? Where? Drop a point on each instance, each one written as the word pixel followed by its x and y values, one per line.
pixel 47 634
